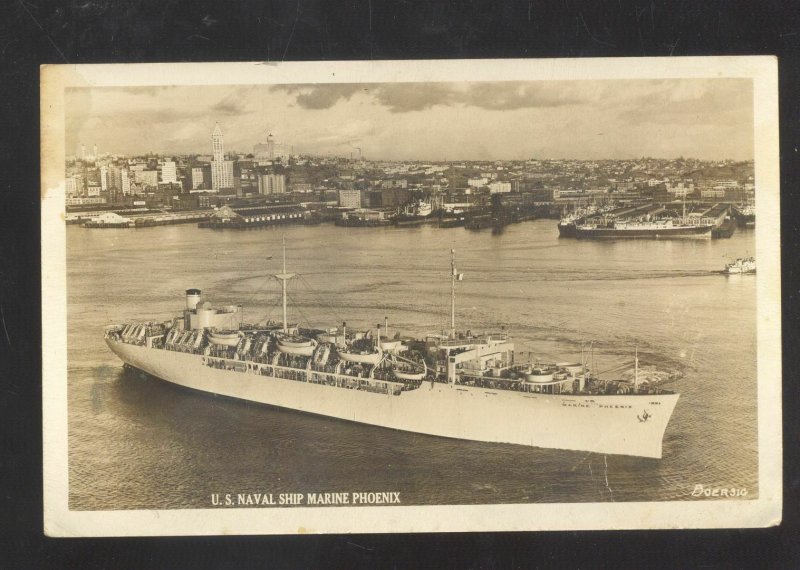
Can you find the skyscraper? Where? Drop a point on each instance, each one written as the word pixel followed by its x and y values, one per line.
pixel 271 184
pixel 169 174
pixel 217 144
pixel 221 169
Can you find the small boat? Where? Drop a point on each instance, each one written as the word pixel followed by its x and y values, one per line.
pixel 223 338
pixel 323 354
pixel 571 368
pixel 540 375
pixel 741 265
pixel 404 369
pixel 296 345
pixel 372 357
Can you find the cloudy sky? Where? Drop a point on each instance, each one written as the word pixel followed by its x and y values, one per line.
pixel 700 118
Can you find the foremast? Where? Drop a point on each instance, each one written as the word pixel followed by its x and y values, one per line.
pixel 284 277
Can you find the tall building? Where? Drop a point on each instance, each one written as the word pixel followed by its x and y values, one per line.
pixel 217 144
pixel 265 151
pixel 94 152
pixel 169 174
pixel 146 177
pixel 104 178
pixel 197 177
pixel 125 182
pixel 271 183
pixel 221 169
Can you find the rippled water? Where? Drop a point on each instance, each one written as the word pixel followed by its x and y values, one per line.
pixel 137 442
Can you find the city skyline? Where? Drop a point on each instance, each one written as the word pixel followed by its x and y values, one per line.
pixel 707 119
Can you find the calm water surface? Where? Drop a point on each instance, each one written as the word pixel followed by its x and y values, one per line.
pixel 140 443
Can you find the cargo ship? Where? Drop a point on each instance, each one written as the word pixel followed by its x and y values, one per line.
pixel 620 229
pixel 455 384
pixel 417 213
pixel 746 216
pixel 568 225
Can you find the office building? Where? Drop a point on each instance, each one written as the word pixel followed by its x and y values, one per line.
pixel 169 173
pixel 271 183
pixel 221 169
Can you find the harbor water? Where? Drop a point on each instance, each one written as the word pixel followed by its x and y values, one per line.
pixel 139 443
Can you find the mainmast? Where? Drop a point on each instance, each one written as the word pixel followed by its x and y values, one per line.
pixel 284 277
pixel 456 276
pixel 684 208
pixel 453 294
pixel 636 368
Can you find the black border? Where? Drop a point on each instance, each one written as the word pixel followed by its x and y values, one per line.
pixel 100 31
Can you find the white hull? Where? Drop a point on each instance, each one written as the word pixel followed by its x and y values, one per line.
pixel 601 424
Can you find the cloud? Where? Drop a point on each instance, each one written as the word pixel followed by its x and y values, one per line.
pixel 406 97
pixel 410 97
pixel 233 103
pixel 517 95
pixel 716 102
pixel 317 97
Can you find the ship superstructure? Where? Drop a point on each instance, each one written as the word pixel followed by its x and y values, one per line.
pixel 452 383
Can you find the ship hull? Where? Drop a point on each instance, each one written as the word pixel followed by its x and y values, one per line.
pixel 601 424
pixel 567 230
pixel 700 232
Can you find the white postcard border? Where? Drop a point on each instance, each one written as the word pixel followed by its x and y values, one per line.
pixel 692 513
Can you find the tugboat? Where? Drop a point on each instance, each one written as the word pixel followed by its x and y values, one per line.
pixel 741 265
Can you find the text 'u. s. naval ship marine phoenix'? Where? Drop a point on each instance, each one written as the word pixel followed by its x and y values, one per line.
pixel 451 384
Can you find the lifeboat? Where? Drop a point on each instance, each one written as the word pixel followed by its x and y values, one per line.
pixel 372 357
pixel 224 338
pixel 296 345
pixel 572 368
pixel 322 354
pixel 540 375
pixel 404 369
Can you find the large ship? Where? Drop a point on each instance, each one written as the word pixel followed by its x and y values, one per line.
pixel 418 212
pixel 455 384
pixel 746 216
pixel 658 228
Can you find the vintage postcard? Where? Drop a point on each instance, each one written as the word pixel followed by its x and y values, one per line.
pixel 419 296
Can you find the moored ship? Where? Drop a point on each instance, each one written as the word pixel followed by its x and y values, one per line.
pixel 643 229
pixel 417 213
pixel 454 383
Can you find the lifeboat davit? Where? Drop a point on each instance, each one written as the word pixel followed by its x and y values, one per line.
pixel 296 345
pixel 224 338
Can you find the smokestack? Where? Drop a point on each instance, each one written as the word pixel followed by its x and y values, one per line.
pixel 192 298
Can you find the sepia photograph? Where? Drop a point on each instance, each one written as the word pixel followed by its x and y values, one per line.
pixel 411 296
